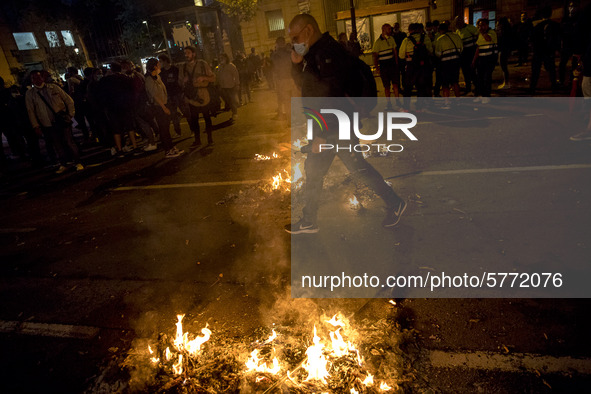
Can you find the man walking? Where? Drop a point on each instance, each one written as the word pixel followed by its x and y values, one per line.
pixel 325 69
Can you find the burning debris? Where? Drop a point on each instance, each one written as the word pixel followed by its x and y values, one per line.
pixel 354 203
pixel 326 359
pixel 259 157
pixel 282 181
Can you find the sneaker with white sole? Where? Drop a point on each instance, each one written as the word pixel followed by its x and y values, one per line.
pixel 174 152
pixel 584 136
pixel 393 215
pixel 301 227
pixel 61 170
pixel 150 147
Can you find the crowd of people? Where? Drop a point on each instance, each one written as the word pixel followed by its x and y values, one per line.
pixel 115 105
pixel 121 107
pixel 430 58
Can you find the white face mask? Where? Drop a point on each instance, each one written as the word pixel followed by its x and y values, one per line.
pixel 301 48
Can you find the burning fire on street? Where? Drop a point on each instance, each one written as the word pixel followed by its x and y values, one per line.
pixel 259 157
pixel 326 359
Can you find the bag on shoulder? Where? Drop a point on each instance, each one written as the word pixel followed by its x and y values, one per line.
pixel 363 83
pixel 420 55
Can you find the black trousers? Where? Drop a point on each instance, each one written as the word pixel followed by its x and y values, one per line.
pixel 194 122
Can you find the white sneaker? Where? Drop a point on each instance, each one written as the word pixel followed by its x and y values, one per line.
pixel 79 167
pixel 485 100
pixel 174 152
pixel 113 151
pixel 150 147
pixel 61 170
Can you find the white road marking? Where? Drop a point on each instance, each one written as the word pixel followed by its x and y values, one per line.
pixel 473 119
pixel 516 362
pixel 423 173
pixel 507 169
pixel 48 330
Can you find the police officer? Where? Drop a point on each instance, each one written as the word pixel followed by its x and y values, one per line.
pixel 469 35
pixel 385 59
pixel 485 60
pixel 448 48
pixel 418 66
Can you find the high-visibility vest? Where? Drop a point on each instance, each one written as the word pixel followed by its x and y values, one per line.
pixel 384 47
pixel 469 35
pixel 487 48
pixel 448 47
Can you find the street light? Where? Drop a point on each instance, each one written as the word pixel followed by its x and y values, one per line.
pixel 149 36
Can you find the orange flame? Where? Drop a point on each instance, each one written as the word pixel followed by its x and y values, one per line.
pixel 316 365
pixel 368 381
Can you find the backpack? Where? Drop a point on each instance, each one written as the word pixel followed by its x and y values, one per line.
pixel 363 82
pixel 420 55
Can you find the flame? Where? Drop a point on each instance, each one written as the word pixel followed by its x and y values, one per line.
pixel 153 359
pixel 177 368
pixel 167 354
pixel 392 302
pixel 368 380
pixel 272 337
pixel 336 322
pixel 259 157
pixel 279 181
pixel 182 342
pixel 256 364
pixel 353 391
pixel 354 203
pixel 385 387
pixel 316 365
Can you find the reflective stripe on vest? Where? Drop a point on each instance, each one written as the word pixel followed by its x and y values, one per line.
pixel 487 50
pixel 386 54
pixel 450 54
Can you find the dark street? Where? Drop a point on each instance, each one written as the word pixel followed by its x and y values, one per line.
pixel 94 262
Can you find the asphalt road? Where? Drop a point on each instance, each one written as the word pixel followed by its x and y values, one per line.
pixel 92 261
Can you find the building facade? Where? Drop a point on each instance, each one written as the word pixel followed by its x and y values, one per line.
pixel 35 44
pixel 334 16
